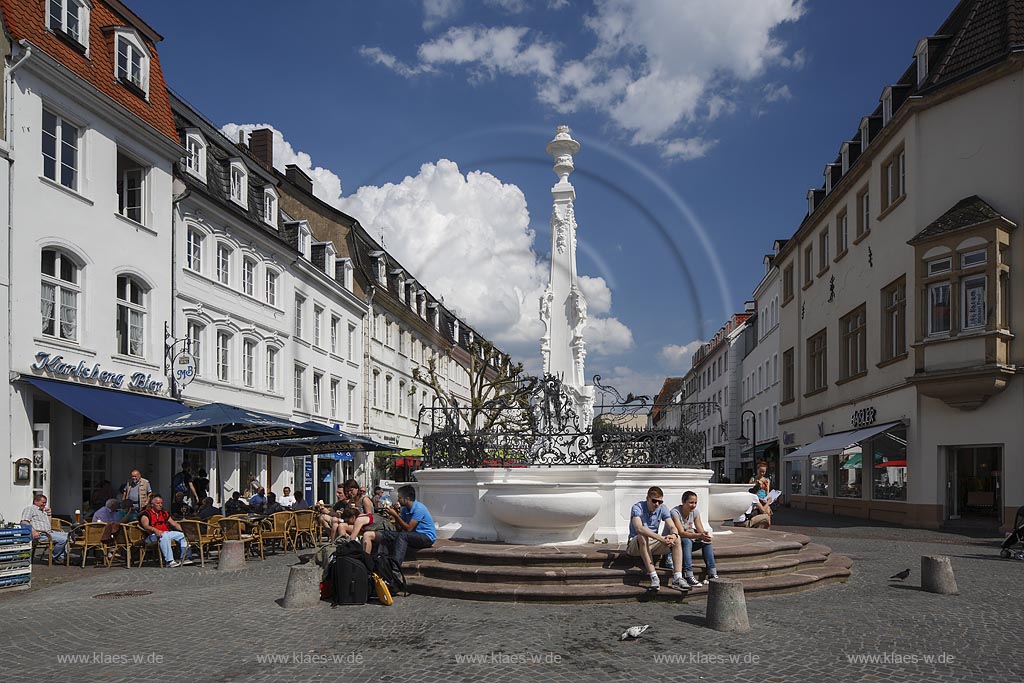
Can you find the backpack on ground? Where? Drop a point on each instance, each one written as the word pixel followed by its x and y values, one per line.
pixel 390 573
pixel 350 581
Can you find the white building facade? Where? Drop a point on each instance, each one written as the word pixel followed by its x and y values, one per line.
pixel 88 263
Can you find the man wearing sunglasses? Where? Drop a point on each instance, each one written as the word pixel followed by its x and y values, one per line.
pixel 645 542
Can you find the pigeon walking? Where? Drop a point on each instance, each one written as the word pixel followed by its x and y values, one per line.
pixel 634 632
pixel 902 575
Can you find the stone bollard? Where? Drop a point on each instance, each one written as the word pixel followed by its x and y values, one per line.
pixel 303 586
pixel 231 556
pixel 937 575
pixel 726 608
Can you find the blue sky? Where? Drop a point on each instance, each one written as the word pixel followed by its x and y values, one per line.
pixel 703 124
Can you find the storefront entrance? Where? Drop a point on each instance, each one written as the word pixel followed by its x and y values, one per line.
pixel 973 486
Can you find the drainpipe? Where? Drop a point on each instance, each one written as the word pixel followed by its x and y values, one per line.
pixel 367 341
pixel 9 118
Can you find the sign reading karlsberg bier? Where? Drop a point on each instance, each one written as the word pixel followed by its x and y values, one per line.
pixel 55 365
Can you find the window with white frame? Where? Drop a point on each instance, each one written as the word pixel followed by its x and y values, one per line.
pixel 59 295
pixel 401 397
pixel 270 207
pixel 195 155
pixel 318 317
pixel 271 288
pixel 70 17
pixel 335 388
pixel 132 67
pixel 938 308
pixel 248 276
pixel 194 333
pixel 376 388
pixel 921 58
pixel 886 106
pixel 335 323
pixel 318 380
pixel 411 398
pixel 299 303
pixel 297 386
pixel 223 356
pixel 131 188
pixel 271 369
pixel 305 242
pixel 224 264
pixel 842 234
pixel 249 362
pixel 350 402
pixel 329 259
pixel 938 266
pixel 60 150
pixel 131 316
pixel 239 183
pixel 973 258
pixel 387 393
pixel 388 341
pixel 350 350
pixel 894 319
pixel 401 342
pixel 975 302
pixel 865 131
pixel 853 343
pixel 194 250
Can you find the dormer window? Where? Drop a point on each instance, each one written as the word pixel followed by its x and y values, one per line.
pixel 347 274
pixel 195 154
pixel 810 202
pixel 844 157
pixel 382 268
pixel 305 244
pixel 70 18
pixel 864 133
pixel 401 287
pixel 239 184
pixel 828 178
pixel 887 105
pixel 270 207
pixel 132 64
pixel 921 58
pixel 329 257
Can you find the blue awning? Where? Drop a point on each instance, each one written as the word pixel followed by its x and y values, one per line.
pixel 108 408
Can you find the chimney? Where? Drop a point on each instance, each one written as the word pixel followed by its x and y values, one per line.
pixel 295 175
pixel 261 145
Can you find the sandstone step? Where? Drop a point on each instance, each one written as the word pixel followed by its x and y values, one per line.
pixel 836 569
pixel 549 574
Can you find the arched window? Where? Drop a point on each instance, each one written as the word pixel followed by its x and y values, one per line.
pixel 195 154
pixel 270 207
pixel 239 184
pixel 131 316
pixel 71 18
pixel 132 65
pixel 194 250
pixel 223 356
pixel 59 295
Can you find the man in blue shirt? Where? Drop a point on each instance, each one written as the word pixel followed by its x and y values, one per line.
pixel 414 523
pixel 258 500
pixel 646 542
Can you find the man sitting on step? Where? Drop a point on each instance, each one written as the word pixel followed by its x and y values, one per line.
pixel 645 542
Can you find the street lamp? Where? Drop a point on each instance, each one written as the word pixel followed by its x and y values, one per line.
pixel 743 439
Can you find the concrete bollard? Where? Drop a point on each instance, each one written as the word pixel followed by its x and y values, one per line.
pixel 726 608
pixel 303 588
pixel 231 556
pixel 937 575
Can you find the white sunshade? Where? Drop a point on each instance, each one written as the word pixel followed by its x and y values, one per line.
pixel 837 443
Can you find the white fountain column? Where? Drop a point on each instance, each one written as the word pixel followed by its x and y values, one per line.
pixel 563 308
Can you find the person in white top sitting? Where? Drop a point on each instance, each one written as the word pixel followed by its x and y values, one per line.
pixel 694 536
pixel 287 499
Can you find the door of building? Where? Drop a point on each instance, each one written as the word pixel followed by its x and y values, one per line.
pixel 41 460
pixel 973 486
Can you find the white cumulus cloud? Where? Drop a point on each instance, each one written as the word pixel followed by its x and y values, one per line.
pixel 658 67
pixel 677 356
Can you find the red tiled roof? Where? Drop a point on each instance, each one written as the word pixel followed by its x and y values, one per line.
pixel 25 20
pixel 668 389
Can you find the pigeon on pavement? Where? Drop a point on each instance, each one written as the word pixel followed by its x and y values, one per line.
pixel 902 575
pixel 634 632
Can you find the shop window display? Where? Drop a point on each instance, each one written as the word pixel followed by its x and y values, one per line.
pixel 850 474
pixel 795 477
pixel 819 480
pixel 889 465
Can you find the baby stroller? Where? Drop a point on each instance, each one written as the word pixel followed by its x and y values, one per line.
pixel 1016 536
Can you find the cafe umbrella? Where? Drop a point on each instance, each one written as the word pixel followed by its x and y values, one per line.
pixel 212 427
pixel 334 442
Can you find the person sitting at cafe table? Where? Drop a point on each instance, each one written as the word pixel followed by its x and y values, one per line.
pixel 108 514
pixel 179 508
pixel 272 505
pixel 258 500
pixel 235 505
pixel 38 516
pixel 300 502
pixel 164 530
pixel 207 509
pixel 286 499
pixel 127 514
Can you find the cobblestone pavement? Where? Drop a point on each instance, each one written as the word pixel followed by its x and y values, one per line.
pixel 199 624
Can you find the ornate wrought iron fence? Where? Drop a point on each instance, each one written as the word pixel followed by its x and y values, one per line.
pixel 546 430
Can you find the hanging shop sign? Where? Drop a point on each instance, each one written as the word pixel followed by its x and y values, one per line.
pixel 863 417
pixel 55 366
pixel 184 369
